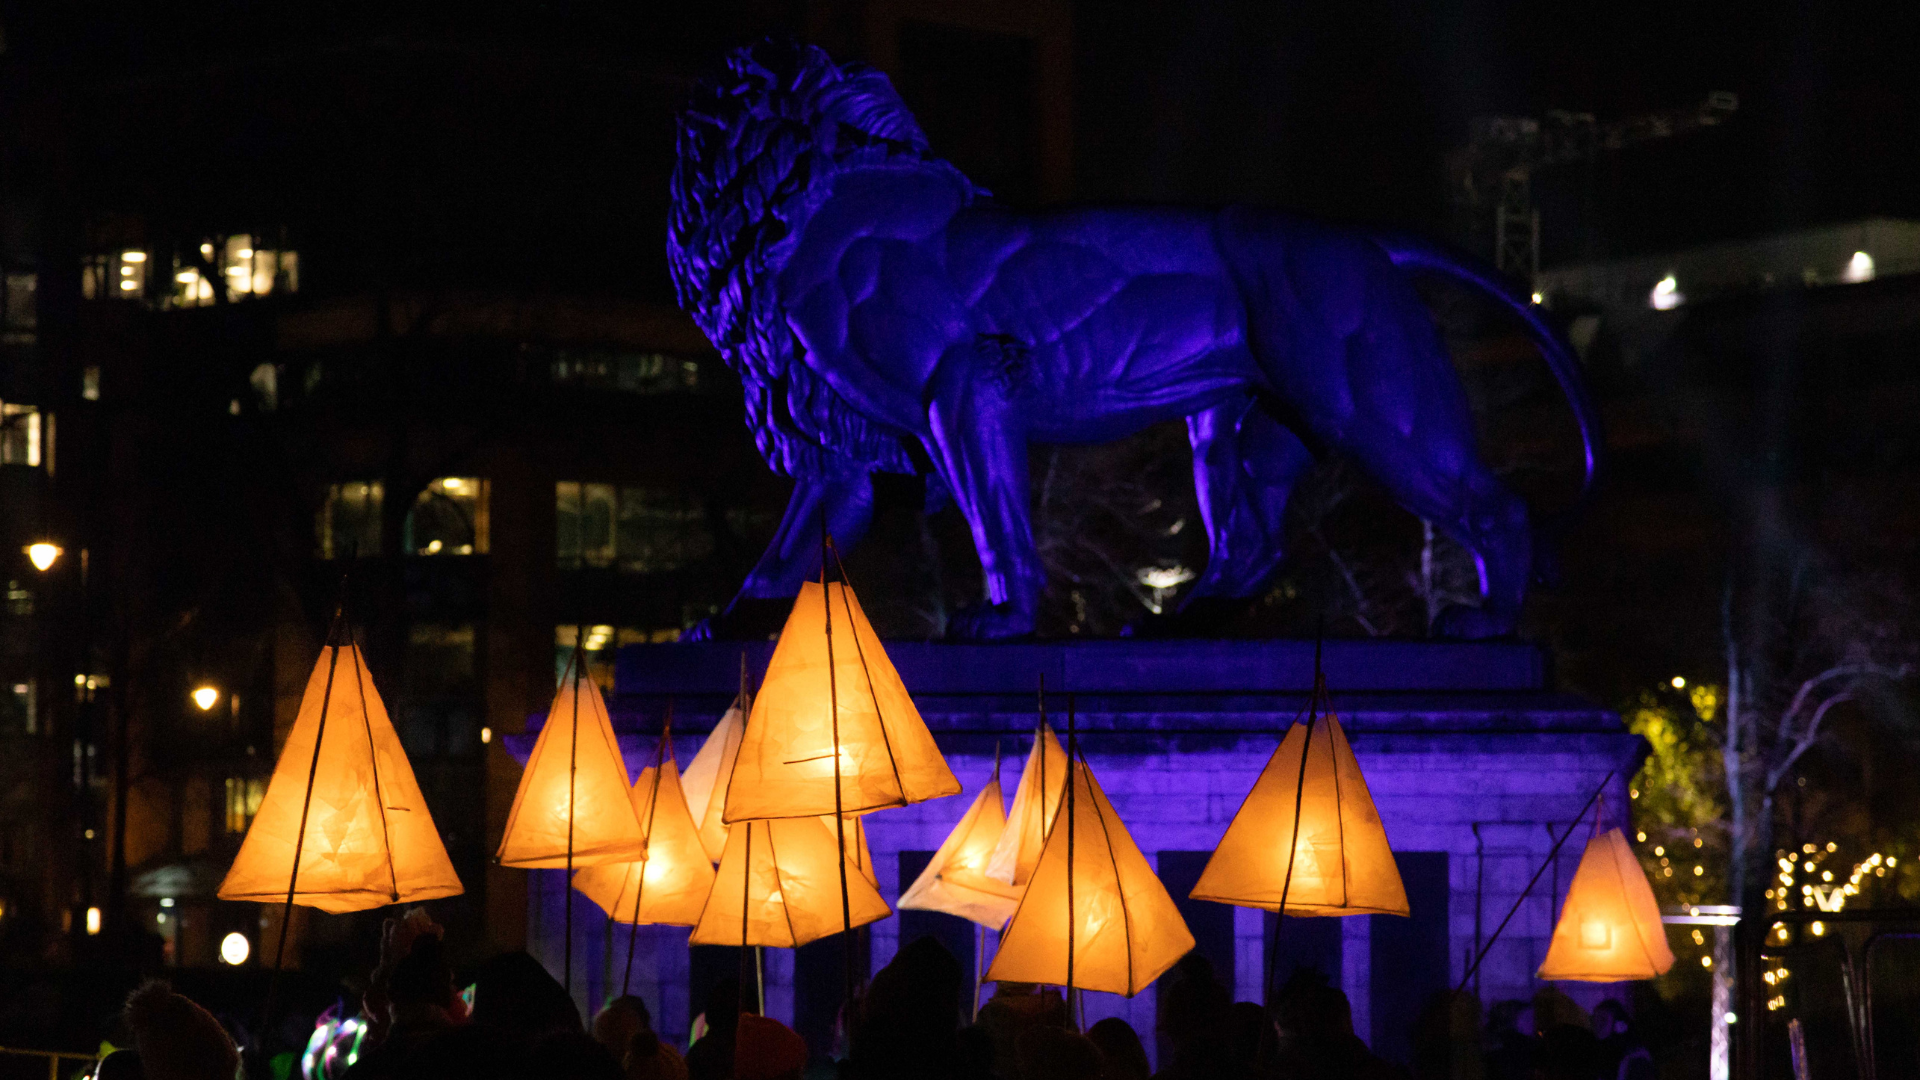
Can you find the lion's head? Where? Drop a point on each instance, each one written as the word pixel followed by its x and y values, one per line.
pixel 754 144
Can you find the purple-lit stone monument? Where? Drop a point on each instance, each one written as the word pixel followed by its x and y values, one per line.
pixel 1475 766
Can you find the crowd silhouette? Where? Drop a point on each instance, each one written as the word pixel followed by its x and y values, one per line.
pixel 911 1021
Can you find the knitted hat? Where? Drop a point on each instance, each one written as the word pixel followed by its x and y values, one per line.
pixel 767 1049
pixel 177 1039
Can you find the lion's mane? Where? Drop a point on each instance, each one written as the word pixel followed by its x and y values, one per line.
pixel 755 146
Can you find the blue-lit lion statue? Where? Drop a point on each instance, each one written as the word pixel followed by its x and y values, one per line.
pixel 886 315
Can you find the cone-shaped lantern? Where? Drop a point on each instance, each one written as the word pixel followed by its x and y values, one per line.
pixel 1610 928
pixel 955 880
pixel 787 761
pixel 1035 801
pixel 792 894
pixel 574 807
pixel 1109 924
pixel 1341 864
pixel 668 885
pixel 859 855
pixel 708 775
pixel 352 810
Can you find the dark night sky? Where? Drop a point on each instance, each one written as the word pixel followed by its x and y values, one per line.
pixel 1339 108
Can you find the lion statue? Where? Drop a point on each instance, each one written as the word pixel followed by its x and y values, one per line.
pixel 886 315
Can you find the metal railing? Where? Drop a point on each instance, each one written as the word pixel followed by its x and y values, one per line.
pixel 54 1058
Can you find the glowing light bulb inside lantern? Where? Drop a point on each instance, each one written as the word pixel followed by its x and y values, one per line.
pixel 1596 934
pixel 235 948
pixel 42 555
pixel 206 697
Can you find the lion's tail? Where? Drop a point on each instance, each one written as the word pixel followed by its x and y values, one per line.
pixel 1415 253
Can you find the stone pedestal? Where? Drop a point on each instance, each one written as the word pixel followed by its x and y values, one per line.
pixel 1475 766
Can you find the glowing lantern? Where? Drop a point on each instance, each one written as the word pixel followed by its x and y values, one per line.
pixel 779 884
pixel 668 884
pixel 1610 928
pixel 1341 864
pixel 788 760
pixel 574 807
pixel 708 775
pixel 955 880
pixel 1108 924
pixel 344 798
pixel 1035 802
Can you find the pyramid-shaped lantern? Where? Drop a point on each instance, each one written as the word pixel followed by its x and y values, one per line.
pixel 779 884
pixel 1610 928
pixel 352 810
pixel 955 880
pixel 668 885
pixel 574 807
pixel 788 759
pixel 1118 932
pixel 708 775
pixel 1035 802
pixel 1341 864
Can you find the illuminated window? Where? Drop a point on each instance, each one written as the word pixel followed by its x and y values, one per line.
pixel 637 530
pixel 634 372
pixel 244 267
pixel 449 518
pixel 120 275
pixel 349 522
pixel 19 435
pixel 17 710
pixel 600 642
pixel 243 801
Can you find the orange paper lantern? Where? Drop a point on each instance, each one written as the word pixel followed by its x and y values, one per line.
pixel 708 775
pixel 1035 802
pixel 1341 864
pixel 1123 927
pixel 955 880
pixel 1610 928
pixel 354 811
pixel 785 876
pixel 787 761
pixel 574 807
pixel 668 884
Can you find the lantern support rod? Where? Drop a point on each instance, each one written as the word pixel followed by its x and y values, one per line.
pixel 653 815
pixel 306 803
pixel 573 767
pixel 839 805
pixel 1515 909
pixel 1299 793
pixel 1299 800
pixel 746 887
pixel 1073 751
pixel 379 796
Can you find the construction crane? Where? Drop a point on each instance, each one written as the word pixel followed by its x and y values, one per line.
pixel 1494 171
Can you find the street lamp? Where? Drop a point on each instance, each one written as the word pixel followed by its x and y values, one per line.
pixel 235 948
pixel 206 697
pixel 42 555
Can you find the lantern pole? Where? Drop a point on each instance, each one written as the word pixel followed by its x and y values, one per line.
pixel 386 838
pixel 847 957
pixel 979 931
pixel 573 766
pixel 1073 751
pixel 1551 856
pixel 306 803
pixel 653 812
pixel 1299 799
pixel 747 966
